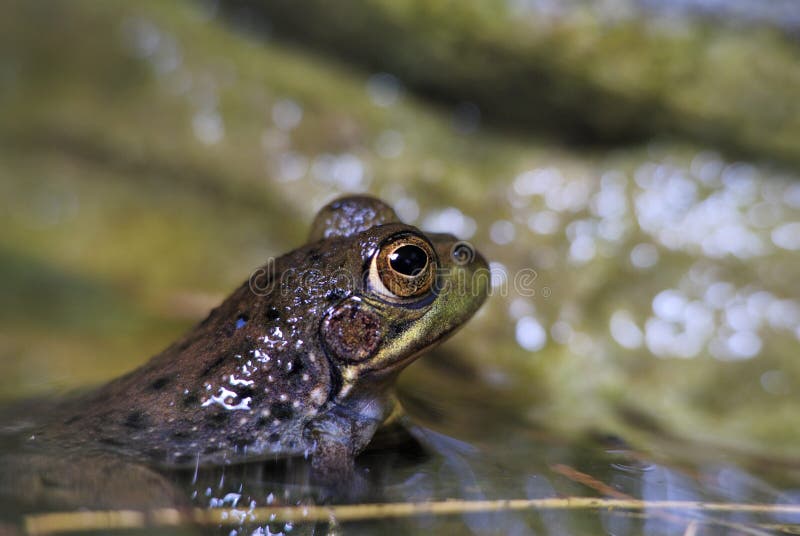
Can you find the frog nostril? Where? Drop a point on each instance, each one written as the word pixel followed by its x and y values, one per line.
pixel 462 253
pixel 241 320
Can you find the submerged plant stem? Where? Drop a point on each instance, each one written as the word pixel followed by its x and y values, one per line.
pixel 60 522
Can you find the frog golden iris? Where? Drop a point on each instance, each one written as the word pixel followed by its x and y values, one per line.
pixel 403 268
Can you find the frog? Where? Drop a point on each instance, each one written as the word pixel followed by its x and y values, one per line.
pixel 300 360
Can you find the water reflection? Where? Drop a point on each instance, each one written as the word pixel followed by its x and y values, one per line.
pixel 467 441
pixel 530 467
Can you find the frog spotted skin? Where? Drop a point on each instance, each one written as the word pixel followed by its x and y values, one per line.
pixel 301 359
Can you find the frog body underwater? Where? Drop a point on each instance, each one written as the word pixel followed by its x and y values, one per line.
pixel 301 359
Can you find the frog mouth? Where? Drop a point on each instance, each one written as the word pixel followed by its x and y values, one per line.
pixel 377 372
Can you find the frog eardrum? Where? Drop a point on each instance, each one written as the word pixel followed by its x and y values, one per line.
pixel 353 330
pixel 403 268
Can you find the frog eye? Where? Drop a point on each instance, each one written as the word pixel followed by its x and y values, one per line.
pixel 404 267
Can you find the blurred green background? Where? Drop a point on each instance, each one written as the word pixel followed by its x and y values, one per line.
pixel 638 165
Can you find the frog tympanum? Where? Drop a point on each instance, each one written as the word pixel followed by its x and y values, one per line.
pixel 300 360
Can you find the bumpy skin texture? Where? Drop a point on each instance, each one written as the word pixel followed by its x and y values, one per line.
pixel 300 360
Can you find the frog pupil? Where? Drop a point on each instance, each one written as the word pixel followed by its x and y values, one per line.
pixel 408 260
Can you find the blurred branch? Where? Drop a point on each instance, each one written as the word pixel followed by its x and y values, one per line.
pixel 586 80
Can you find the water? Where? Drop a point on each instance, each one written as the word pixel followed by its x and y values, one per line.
pixel 640 342
pixel 467 443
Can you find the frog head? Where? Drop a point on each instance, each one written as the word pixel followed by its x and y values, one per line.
pixel 409 291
